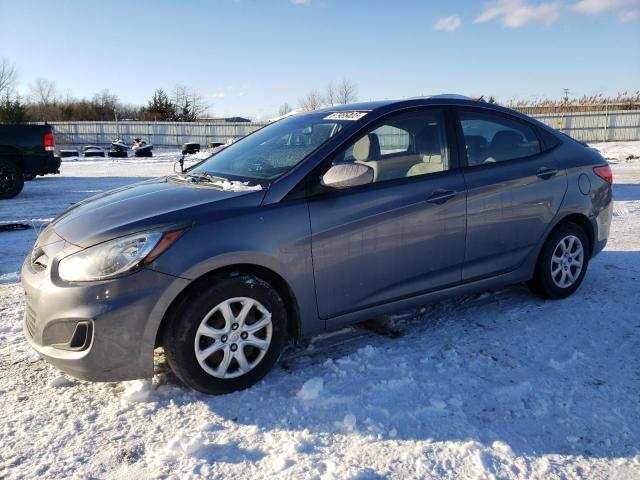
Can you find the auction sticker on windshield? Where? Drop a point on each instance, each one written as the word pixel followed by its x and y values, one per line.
pixel 346 116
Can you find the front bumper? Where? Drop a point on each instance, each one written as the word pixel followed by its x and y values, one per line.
pixel 97 331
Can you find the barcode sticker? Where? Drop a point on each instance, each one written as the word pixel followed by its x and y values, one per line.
pixel 345 116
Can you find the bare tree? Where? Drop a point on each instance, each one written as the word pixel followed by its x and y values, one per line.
pixel 311 101
pixel 347 92
pixel 7 75
pixel 284 109
pixel 190 105
pixel 331 94
pixel 42 100
pixel 42 92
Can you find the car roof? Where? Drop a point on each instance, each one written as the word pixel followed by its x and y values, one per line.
pixel 448 98
pixel 443 99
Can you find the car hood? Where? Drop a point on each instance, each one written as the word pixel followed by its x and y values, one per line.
pixel 156 203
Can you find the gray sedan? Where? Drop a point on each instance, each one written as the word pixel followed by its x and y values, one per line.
pixel 314 222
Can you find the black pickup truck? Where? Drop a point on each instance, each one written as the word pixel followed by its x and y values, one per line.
pixel 25 151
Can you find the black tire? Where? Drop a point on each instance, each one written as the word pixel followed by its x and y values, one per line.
pixel 29 177
pixel 185 318
pixel 190 148
pixel 543 283
pixel 11 179
pixel 94 153
pixel 69 153
pixel 117 154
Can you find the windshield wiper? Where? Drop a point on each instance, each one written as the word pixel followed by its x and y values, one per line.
pixel 206 177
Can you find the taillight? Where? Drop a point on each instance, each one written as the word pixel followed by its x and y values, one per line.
pixel 49 141
pixel 604 172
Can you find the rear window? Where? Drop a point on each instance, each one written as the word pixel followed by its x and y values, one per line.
pixel 491 137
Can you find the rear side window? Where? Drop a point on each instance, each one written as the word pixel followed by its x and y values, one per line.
pixel 491 138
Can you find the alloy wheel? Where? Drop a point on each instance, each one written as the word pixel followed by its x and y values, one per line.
pixel 233 337
pixel 567 261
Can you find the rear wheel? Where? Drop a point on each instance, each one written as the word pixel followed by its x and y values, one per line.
pixel 227 336
pixel 563 262
pixel 11 179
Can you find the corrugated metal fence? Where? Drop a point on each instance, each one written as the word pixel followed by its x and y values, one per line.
pixel 166 134
pixel 585 126
pixel 596 126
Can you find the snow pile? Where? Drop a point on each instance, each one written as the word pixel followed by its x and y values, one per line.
pixel 311 389
pixel 182 444
pixel 137 391
pixel 59 382
pixel 235 186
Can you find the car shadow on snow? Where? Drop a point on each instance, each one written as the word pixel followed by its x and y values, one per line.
pixel 626 191
pixel 543 377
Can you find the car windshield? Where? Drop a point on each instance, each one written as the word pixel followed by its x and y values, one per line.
pixel 274 149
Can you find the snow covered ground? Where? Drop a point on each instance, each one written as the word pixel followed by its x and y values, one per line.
pixel 619 151
pixel 499 384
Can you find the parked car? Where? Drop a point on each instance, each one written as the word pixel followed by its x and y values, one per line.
pixel 25 151
pixel 314 222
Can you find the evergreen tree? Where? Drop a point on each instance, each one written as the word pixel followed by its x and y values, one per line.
pixel 160 108
pixel 13 111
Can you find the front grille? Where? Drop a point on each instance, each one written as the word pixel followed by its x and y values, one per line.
pixel 30 320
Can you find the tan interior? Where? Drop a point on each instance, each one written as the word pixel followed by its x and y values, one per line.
pixel 367 151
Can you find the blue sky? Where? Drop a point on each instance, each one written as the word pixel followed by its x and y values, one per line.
pixel 249 56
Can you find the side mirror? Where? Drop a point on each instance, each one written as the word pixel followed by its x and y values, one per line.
pixel 345 175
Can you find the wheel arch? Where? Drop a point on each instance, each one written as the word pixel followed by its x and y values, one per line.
pixel 10 152
pixel 583 222
pixel 273 278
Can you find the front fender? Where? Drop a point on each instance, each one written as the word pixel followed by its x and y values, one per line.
pixel 276 238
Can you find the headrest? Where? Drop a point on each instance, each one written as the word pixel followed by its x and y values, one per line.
pixel 427 142
pixel 506 139
pixel 367 148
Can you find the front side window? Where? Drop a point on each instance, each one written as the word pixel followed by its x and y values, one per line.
pixel 491 137
pixel 402 145
pixel 273 150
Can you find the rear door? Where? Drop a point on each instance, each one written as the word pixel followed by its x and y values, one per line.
pixel 400 236
pixel 514 187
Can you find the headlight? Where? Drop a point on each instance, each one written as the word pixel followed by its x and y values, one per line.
pixel 115 257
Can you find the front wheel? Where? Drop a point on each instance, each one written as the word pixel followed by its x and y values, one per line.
pixel 227 336
pixel 563 262
pixel 11 179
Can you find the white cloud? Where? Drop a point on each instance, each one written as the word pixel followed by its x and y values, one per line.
pixel 593 7
pixel 630 16
pixel 301 2
pixel 217 95
pixel 516 13
pixel 627 10
pixel 448 24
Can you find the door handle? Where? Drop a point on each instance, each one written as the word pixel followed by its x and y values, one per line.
pixel 440 196
pixel 545 173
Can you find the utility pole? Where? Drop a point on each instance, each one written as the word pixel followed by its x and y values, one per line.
pixel 565 107
pixel 115 114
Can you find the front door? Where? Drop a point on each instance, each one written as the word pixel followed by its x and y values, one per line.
pixel 403 234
